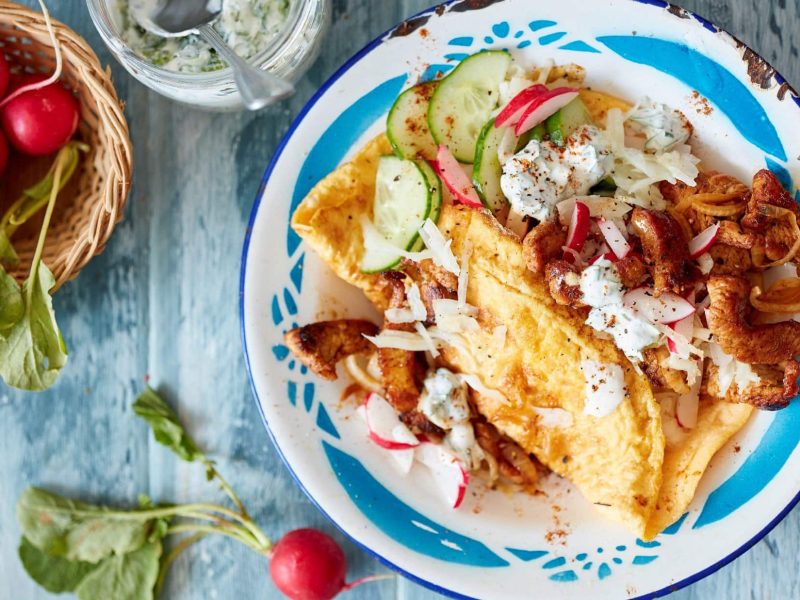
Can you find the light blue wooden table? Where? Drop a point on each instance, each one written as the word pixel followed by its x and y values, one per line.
pixel 162 300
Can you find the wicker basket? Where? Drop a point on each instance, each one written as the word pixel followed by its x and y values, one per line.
pixel 92 203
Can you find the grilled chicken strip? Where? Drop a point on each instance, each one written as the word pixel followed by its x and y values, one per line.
pixel 543 244
pixel 665 251
pixel 777 386
pixel 403 371
pixel 728 316
pixel 767 189
pixel 563 279
pixel 321 345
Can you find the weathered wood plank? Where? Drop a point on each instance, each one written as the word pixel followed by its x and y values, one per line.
pixel 162 300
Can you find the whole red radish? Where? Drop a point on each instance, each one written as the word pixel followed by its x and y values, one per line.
pixel 5 75
pixel 3 153
pixel 307 564
pixel 39 122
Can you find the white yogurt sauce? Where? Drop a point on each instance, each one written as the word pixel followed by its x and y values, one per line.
pixel 602 289
pixel 605 387
pixel 444 400
pixel 541 174
pixel 248 26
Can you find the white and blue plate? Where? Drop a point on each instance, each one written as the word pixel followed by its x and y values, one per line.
pixel 499 545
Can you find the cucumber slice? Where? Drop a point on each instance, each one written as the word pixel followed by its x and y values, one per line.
pixel 537 133
pixel 464 101
pixel 435 188
pixel 561 124
pixel 407 123
pixel 486 170
pixel 604 187
pixel 401 205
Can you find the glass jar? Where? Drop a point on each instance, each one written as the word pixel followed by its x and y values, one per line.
pixel 288 55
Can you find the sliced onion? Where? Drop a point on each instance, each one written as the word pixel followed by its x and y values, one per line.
pixel 599 206
pixel 703 240
pixel 666 308
pixel 544 105
pixel 688 404
pixel 773 274
pixel 439 247
pixel 463 276
pixel 418 310
pixel 614 237
pixel 706 262
pixel 423 333
pixel 361 374
pixel 720 210
pixel 476 384
pixel 553 417
pixel 782 297
pixel 402 340
pixel 399 315
pixel 777 212
pixel 450 171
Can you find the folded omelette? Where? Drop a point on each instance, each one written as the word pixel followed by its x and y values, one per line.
pixel 619 462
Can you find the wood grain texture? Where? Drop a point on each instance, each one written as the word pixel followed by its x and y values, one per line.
pixel 162 301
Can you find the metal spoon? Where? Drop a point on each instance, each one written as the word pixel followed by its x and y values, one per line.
pixel 177 18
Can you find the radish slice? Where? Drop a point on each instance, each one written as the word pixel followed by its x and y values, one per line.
pixel 609 256
pixel 603 252
pixel 571 256
pixel 688 405
pixel 385 427
pixel 543 106
pixel 578 227
pixel 449 473
pixel 614 237
pixel 667 308
pixel 703 240
pixel 512 111
pixel 685 329
pixel 402 459
pixel 448 168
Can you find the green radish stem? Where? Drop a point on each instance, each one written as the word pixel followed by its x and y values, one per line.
pixel 173 554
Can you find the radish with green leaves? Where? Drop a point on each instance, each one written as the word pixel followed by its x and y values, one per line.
pixel 99 553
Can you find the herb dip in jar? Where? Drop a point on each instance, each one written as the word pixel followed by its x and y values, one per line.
pixel 247 26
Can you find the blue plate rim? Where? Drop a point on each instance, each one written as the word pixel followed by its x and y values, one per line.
pixel 346 66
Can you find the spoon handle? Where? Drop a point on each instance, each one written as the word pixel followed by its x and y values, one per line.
pixel 258 88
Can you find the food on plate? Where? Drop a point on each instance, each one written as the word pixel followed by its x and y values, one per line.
pixel 564 288
pixel 321 345
pixel 247 26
